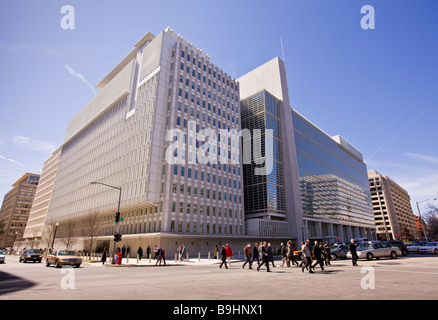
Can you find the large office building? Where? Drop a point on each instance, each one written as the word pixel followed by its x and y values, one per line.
pixel 16 207
pixel 145 133
pixel 191 155
pixel 393 213
pixel 318 185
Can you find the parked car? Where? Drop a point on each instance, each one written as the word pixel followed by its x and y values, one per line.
pixel 400 244
pixel 339 251
pixel 64 258
pixel 376 250
pixel 2 256
pixel 31 255
pixel 430 247
pixel 415 246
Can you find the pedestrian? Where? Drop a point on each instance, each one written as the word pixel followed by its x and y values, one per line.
pixel 353 249
pixel 307 256
pixel 163 256
pixel 183 252
pixel 139 252
pixel 155 252
pixel 148 252
pixel 265 258
pixel 215 252
pixel 103 258
pixel 328 255
pixel 291 253
pixel 178 251
pixel 123 251
pixel 270 255
pixel 158 255
pixel 229 253
pixel 127 251
pixel 317 252
pixel 224 257
pixel 248 255
pixel 283 252
pixel 255 253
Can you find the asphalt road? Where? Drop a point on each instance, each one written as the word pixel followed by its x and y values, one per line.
pixel 406 278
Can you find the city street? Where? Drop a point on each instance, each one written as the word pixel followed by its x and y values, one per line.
pixel 407 278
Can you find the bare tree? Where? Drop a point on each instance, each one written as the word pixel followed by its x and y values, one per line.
pixel 92 228
pixel 49 233
pixel 431 218
pixel 68 232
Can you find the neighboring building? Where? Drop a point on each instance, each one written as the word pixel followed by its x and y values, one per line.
pixel 119 139
pixel 393 213
pixel 318 187
pixel 34 231
pixel 16 207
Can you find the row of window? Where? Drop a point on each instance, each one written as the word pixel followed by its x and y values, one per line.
pixel 221 229
pixel 227 212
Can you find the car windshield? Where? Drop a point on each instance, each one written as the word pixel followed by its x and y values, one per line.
pixel 33 251
pixel 416 244
pixel 431 244
pixel 66 253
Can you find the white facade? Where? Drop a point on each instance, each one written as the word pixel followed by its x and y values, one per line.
pixel 118 139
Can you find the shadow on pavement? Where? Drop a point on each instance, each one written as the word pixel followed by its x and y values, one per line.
pixel 10 283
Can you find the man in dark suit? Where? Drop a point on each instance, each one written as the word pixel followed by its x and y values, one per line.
pixel 352 247
pixel 317 252
pixel 265 258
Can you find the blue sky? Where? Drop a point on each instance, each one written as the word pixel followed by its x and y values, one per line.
pixel 377 88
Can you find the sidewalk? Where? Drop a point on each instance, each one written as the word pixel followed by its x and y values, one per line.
pixel 132 262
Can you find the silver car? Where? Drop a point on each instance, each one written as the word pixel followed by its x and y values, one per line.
pixel 415 246
pixel 376 250
pixel 339 251
pixel 430 247
pixel 2 256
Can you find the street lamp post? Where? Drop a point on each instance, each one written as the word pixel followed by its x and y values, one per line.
pixel 118 210
pixel 419 214
pixel 54 234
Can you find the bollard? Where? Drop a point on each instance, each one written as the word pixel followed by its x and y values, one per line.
pixel 187 256
pixel 138 259
pixel 208 255
pixel 176 257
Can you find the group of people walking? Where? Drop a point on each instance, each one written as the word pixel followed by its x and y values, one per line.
pixel 312 256
pixel 321 255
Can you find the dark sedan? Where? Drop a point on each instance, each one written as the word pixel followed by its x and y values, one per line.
pixel 34 255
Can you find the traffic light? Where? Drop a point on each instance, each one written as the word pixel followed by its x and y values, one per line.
pixel 117 237
pixel 117 219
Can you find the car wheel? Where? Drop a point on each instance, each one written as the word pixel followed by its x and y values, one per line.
pixel 370 256
pixel 334 256
pixel 393 255
pixel 77 265
pixel 405 252
pixel 436 251
pixel 57 265
pixel 47 263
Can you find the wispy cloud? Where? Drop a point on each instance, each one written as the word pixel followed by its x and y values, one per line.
pixel 423 157
pixel 80 77
pixel 34 144
pixel 10 160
